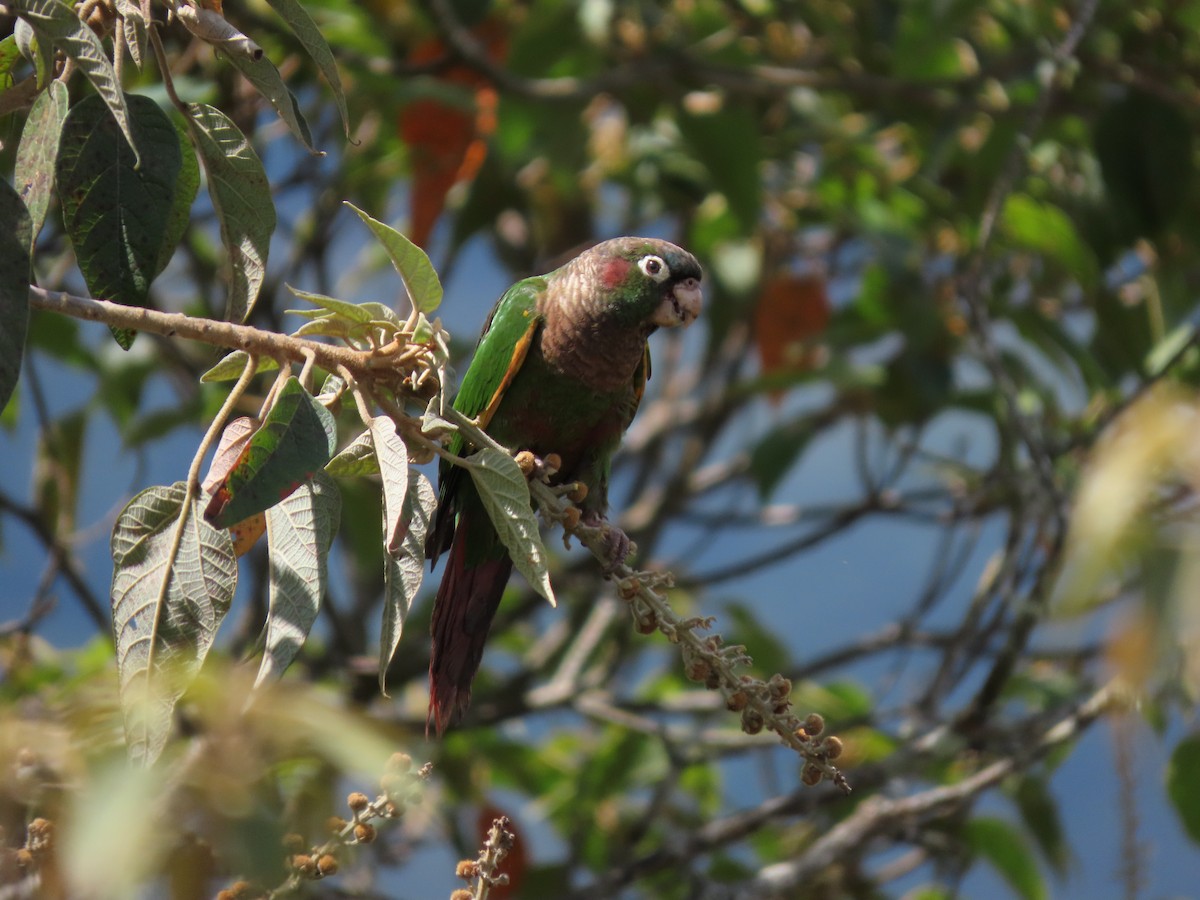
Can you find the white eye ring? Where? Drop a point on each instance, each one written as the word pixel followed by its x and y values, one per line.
pixel 654 268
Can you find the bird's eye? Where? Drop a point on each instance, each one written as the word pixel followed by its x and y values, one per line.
pixel 654 268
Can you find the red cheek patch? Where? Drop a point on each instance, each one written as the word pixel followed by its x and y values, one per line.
pixel 614 272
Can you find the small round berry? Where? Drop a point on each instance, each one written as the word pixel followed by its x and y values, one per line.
pixel 304 864
pixel 24 858
pixel 327 864
pixel 552 463
pixel 462 894
pixel 358 801
pixel 779 687
pixel 811 775
pixel 399 762
pixel 814 724
pixel 335 824
pixel 697 670
pixel 466 869
pixel 713 681
pixel 737 701
pixel 364 832
pixel 833 747
pixel 526 461
pixel 646 624
pixel 571 517
pixel 752 721
pixel 293 842
pixel 578 492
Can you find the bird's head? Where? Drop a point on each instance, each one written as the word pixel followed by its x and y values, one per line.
pixel 646 280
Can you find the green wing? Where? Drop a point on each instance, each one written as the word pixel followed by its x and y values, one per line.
pixel 506 339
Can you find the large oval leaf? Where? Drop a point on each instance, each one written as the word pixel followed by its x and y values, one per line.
pixel 297 437
pixel 117 212
pixel 241 197
pixel 34 171
pixel 173 580
pixel 416 271
pixel 300 532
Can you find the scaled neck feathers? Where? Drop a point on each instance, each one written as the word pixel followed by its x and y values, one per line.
pixel 583 336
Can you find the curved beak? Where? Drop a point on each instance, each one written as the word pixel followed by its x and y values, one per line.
pixel 681 305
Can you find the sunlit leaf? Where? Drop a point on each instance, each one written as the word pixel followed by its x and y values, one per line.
pixel 356 458
pixel 296 438
pixel 505 495
pixel 309 35
pixel 404 569
pixel 352 312
pixel 392 456
pixel 232 365
pixel 56 23
pixel 173 580
pixel 300 531
pixel 33 174
pixel 417 272
pixel 241 196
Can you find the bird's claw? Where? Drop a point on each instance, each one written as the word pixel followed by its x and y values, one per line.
pixel 618 546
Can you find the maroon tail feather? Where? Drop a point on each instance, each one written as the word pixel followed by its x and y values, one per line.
pixel 466 603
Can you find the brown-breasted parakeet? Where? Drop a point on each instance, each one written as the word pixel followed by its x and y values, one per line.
pixel 560 368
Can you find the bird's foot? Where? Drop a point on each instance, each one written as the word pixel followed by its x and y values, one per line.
pixel 617 547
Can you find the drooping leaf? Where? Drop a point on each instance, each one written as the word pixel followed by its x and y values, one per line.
pixel 727 142
pixel 34 170
pixel 14 288
pixel 392 456
pixel 166 605
pixel 1008 852
pixel 1039 812
pixel 261 73
pixel 356 458
pixel 115 211
pixel 300 531
pixel 232 365
pixel 187 185
pixel 505 496
pixel 234 438
pixel 246 533
pixel 133 24
pixel 241 197
pixel 56 24
pixel 309 34
pixel 1144 146
pixel 1183 784
pixel 404 569
pixel 38 52
pixel 296 438
pixel 416 271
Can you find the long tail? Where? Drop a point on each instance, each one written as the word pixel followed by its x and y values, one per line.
pixel 466 603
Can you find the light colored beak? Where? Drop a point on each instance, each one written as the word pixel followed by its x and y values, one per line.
pixel 680 306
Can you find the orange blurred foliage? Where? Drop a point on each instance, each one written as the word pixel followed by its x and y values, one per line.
pixel 791 310
pixel 515 863
pixel 447 143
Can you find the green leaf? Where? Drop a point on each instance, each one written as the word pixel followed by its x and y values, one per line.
pixel 1183 784
pixel 33 173
pixel 14 288
pixel 773 456
pixel 40 53
pixel 416 271
pixel 392 456
pixel 1144 147
pixel 232 365
pixel 309 34
pixel 187 185
pixel 116 212
pixel 173 580
pixel 505 495
pixel 10 55
pixel 1007 850
pixel 727 142
pixel 357 458
pixel 297 437
pixel 134 27
pixel 350 311
pixel 241 197
pixel 56 24
pixel 1039 813
pixel 1046 229
pixel 404 569
pixel 261 73
pixel 300 531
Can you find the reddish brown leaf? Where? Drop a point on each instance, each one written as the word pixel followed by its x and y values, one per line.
pixel 792 309
pixel 246 533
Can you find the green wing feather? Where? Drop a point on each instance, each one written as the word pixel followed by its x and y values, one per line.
pixel 507 336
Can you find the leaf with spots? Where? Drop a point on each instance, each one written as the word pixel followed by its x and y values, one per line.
pixel 34 170
pixel 297 437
